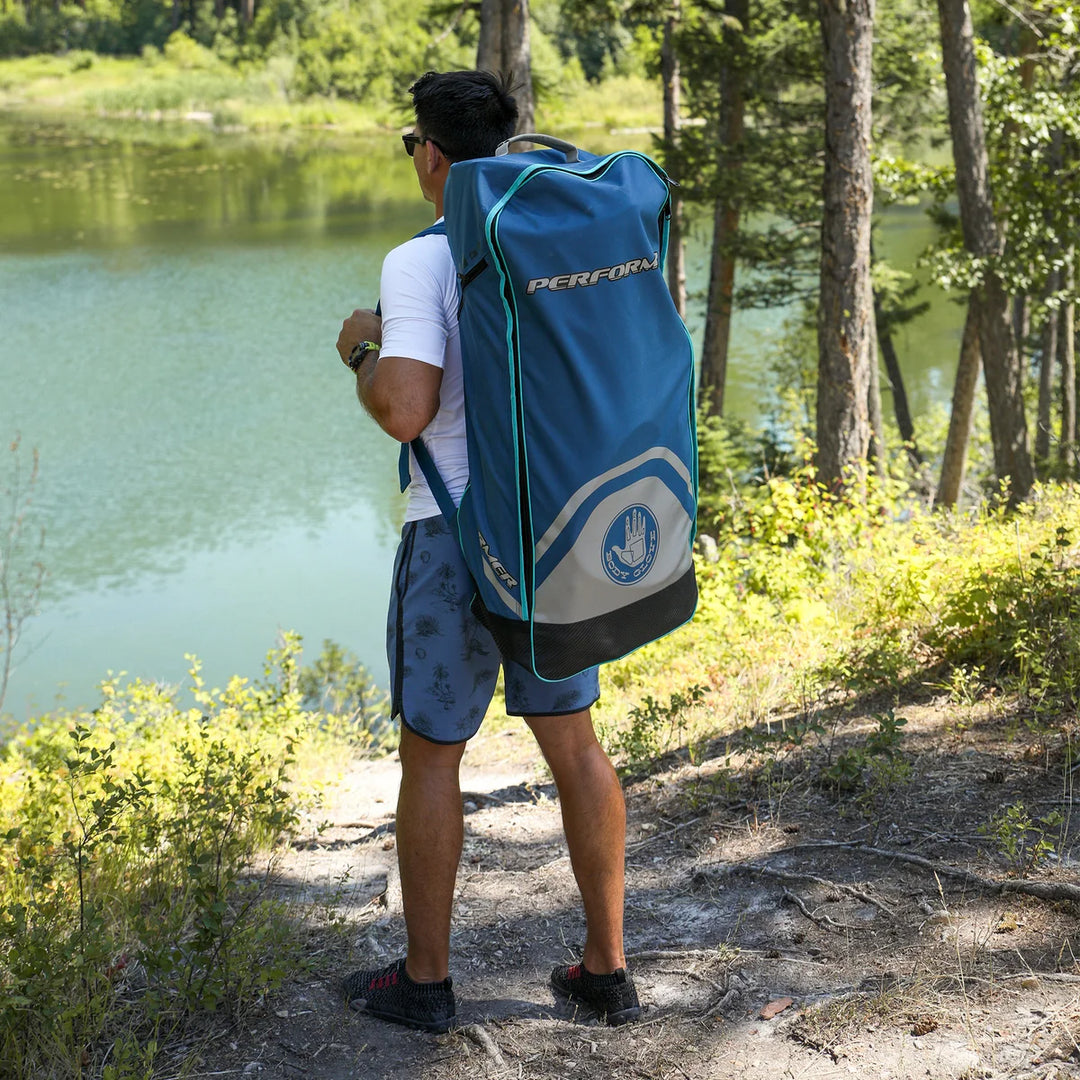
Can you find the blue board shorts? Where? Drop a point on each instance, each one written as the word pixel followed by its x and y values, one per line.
pixel 443 662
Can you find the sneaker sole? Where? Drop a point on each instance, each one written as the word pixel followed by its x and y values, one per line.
pixel 435 1027
pixel 623 1016
pixel 614 1019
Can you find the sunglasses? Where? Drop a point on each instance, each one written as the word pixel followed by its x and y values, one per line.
pixel 412 141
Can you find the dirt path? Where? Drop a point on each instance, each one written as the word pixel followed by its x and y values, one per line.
pixel 758 952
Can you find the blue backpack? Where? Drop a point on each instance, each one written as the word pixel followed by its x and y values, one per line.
pixel 577 523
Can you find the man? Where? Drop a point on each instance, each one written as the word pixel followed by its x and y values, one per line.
pixel 443 663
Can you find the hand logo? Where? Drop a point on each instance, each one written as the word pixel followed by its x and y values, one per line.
pixel 630 544
pixel 634 551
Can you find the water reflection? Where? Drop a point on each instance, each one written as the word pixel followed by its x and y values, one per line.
pixel 62 190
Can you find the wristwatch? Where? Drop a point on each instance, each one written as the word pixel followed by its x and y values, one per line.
pixel 359 353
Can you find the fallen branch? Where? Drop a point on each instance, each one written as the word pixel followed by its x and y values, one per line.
pixel 821 920
pixel 479 1035
pixel 719 1004
pixel 839 886
pixel 677 954
pixel 1044 890
pixel 1049 976
pixel 721 954
pixel 661 835
pixel 689 973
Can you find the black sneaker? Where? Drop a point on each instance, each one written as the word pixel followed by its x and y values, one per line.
pixel 390 994
pixel 612 997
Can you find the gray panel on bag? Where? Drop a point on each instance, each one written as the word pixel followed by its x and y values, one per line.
pixel 654 453
pixel 580 587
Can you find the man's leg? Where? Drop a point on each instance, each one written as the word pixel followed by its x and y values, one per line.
pixel 594 817
pixel 429 837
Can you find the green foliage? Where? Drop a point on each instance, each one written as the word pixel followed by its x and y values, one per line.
pixel 128 895
pixel 338 686
pixel 1023 842
pixel 365 51
pixel 1018 616
pixel 1032 122
pixel 654 729
pixel 808 601
pixel 861 766
pixel 26 29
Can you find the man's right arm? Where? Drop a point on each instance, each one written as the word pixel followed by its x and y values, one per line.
pixel 400 394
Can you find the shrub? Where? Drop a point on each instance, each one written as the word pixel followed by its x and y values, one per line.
pixel 128 897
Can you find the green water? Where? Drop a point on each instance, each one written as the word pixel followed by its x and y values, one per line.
pixel 169 308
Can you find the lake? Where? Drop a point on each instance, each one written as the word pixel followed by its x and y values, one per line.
pixel 169 305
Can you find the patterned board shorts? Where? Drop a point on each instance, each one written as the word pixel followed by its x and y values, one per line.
pixel 443 662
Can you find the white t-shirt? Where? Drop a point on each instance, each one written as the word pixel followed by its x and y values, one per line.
pixel 419 296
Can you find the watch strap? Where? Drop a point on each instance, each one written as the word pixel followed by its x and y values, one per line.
pixel 359 353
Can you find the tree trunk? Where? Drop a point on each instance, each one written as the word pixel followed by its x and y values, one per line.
pixel 846 311
pixel 669 67
pixel 489 46
pixel 247 12
pixel 962 416
pixel 504 47
pixel 1021 318
pixel 876 450
pixel 896 382
pixel 1004 378
pixel 1067 358
pixel 1047 363
pixel 726 222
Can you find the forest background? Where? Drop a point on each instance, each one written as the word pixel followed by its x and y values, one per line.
pixel 758 111
pixel 845 555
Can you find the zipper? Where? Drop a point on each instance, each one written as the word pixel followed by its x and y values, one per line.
pixel 466 279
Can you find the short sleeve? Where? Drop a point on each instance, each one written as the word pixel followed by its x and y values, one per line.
pixel 413 303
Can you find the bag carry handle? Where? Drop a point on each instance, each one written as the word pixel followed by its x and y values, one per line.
pixel 569 149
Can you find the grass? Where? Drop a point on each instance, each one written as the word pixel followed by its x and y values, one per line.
pixel 256 97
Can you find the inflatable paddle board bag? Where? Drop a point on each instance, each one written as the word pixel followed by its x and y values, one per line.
pixel 578 520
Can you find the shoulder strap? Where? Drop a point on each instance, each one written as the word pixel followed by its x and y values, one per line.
pixel 420 451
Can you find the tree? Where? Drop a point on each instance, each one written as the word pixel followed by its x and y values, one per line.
pixel 603 20
pixel 1048 356
pixel 846 310
pixel 1066 343
pixel 727 208
pixel 504 47
pixel 962 416
pixel 983 241
pixel 892 309
pixel 671 77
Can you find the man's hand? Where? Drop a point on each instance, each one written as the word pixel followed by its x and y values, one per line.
pixel 362 325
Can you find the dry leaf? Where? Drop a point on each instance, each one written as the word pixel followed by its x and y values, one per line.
pixel 775 1007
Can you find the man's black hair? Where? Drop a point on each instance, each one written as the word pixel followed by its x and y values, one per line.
pixel 465 113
